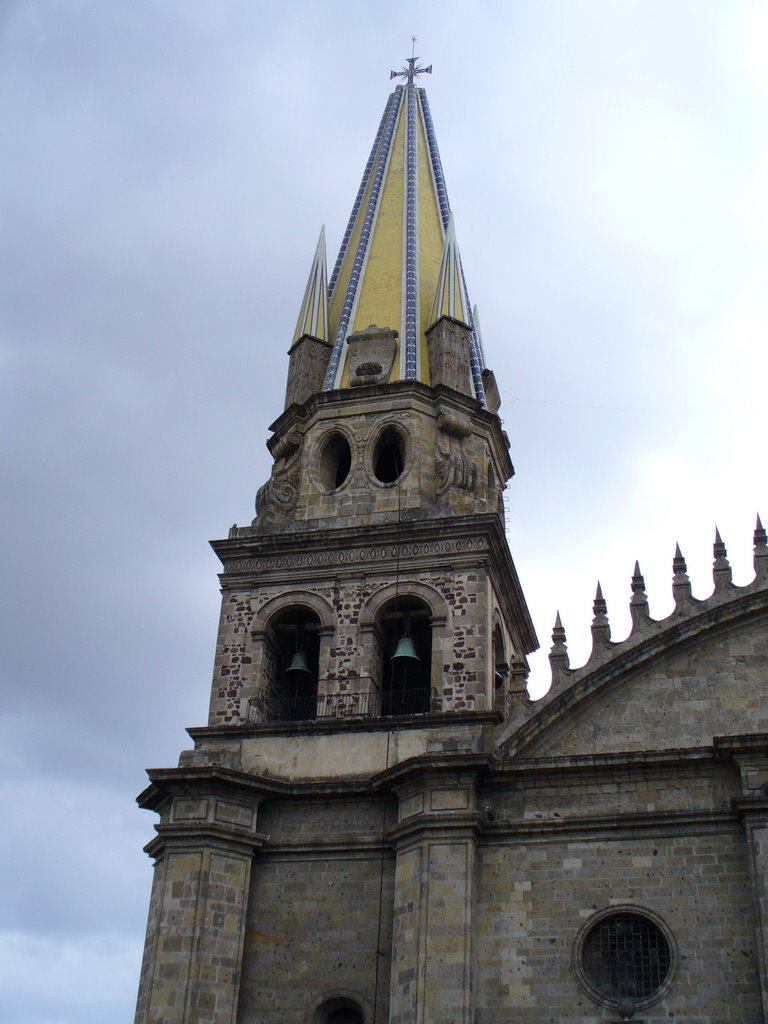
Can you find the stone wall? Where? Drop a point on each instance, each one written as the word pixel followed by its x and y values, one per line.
pixel 351 654
pixel 535 897
pixel 317 926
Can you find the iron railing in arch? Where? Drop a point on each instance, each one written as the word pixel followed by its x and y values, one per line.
pixel 310 708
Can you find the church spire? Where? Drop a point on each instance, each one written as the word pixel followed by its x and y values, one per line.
pixel 313 318
pixel 388 270
pixel 450 295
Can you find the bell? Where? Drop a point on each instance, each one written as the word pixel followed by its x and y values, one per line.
pixel 299 664
pixel 405 649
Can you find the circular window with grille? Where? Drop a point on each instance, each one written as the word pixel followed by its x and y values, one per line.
pixel 625 958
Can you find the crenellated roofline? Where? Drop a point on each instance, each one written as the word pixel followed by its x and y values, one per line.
pixel 648 640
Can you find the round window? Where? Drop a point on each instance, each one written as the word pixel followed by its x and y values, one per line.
pixel 335 462
pixel 625 960
pixel 389 456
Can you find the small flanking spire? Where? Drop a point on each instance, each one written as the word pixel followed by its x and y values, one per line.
pixel 721 567
pixel 601 628
pixel 450 297
pixel 313 318
pixel 558 655
pixel 310 350
pixel 638 604
pixel 681 584
pixel 478 332
pixel 761 551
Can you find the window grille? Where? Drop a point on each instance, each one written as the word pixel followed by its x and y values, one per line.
pixel 626 956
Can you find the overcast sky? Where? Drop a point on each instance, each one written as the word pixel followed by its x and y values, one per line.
pixel 166 168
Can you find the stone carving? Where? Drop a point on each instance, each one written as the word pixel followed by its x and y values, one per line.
pixel 453 468
pixel 280 493
pixel 458 426
pixel 286 446
pixel 370 355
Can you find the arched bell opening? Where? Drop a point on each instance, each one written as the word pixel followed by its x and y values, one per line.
pixel 500 671
pixel 405 629
pixel 296 640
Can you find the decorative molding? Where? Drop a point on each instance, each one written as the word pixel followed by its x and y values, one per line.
pixel 344 556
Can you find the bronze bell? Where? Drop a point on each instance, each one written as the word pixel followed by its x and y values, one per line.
pixel 299 665
pixel 405 649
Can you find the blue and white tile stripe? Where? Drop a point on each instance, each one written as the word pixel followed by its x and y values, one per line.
pixel 362 245
pixel 359 197
pixel 411 241
pixel 475 357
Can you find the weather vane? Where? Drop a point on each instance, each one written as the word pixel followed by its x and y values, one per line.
pixel 413 69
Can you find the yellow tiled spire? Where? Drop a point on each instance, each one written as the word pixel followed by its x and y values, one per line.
pixel 390 265
pixel 313 318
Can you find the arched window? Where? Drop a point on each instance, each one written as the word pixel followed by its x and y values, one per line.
pixel 405 631
pixel 345 1015
pixel 295 638
pixel 340 1009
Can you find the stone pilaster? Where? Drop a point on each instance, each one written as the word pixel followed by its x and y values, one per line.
pixel 750 755
pixel 432 980
pixel 194 945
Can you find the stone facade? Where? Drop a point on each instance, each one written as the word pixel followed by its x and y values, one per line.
pixel 451 865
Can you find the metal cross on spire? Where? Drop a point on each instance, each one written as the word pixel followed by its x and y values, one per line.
pixel 413 68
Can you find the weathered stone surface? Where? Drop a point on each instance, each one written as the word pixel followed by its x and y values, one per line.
pixel 307 363
pixel 448 345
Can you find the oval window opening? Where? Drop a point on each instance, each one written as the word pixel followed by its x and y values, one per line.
pixel 335 462
pixel 389 456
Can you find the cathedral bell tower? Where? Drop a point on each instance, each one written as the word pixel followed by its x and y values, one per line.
pixel 372 644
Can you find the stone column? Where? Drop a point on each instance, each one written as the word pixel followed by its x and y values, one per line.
pixel 435 841
pixel 194 945
pixel 750 756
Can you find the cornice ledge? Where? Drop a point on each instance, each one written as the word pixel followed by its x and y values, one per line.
pixel 449 825
pixel 203 834
pixel 730 747
pixel 752 806
pixel 440 762
pixel 321 848
pixel 168 782
pixel 429 720
pixel 621 760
